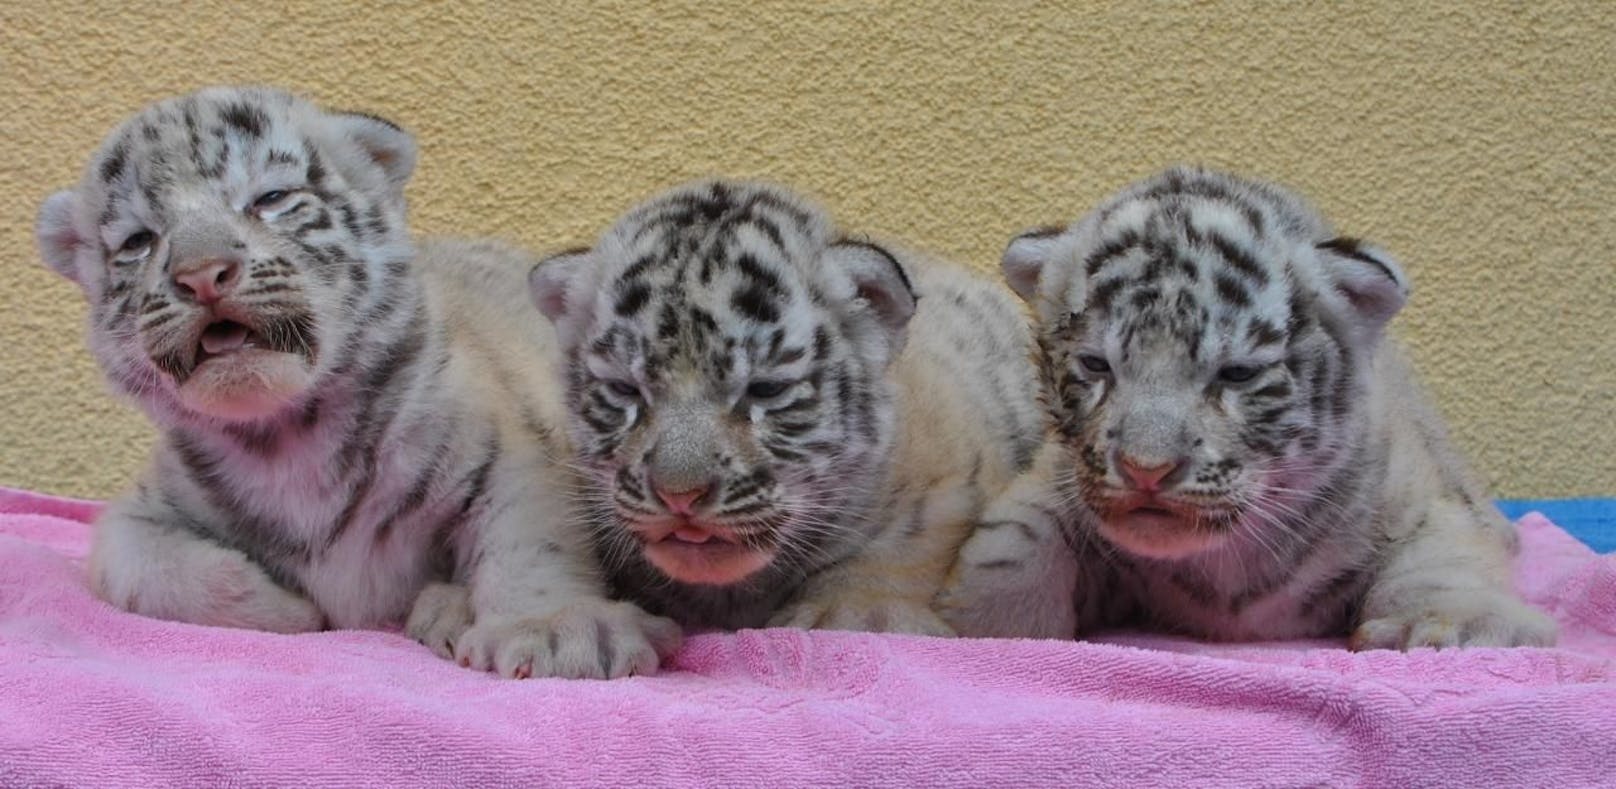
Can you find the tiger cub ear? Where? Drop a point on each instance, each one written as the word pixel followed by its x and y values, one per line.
pixel 385 143
pixel 1027 255
pixel 1371 282
pixel 57 236
pixel 554 283
pixel 878 280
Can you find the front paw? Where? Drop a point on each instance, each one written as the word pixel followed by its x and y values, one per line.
pixel 593 639
pixel 1472 618
pixel 868 614
pixel 441 616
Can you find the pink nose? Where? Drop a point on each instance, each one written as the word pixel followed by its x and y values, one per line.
pixel 1147 477
pixel 207 281
pixel 682 502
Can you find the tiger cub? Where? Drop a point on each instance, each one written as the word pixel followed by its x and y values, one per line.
pixel 1238 450
pixel 343 418
pixel 780 424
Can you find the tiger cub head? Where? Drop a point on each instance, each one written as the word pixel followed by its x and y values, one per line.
pixel 224 240
pixel 726 359
pixel 1206 341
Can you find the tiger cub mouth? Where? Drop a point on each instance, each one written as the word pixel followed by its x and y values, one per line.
pixel 237 338
pixel 697 553
pixel 242 368
pixel 224 337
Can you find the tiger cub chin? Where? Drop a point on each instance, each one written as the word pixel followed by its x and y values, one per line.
pixel 342 418
pixel 778 424
pixel 1239 452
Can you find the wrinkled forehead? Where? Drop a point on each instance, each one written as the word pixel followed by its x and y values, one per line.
pixel 219 136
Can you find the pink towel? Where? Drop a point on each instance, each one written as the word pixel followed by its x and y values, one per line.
pixel 90 696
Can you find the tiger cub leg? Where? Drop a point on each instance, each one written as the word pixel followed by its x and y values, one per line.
pixel 144 562
pixel 537 603
pixel 1447 583
pixel 1017 575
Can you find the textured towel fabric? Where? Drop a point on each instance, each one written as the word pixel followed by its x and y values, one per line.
pixel 90 696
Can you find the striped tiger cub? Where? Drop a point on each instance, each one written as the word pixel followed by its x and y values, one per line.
pixel 343 418
pixel 779 424
pixel 1239 451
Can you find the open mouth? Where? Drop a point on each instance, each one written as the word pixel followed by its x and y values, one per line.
pixel 243 367
pixel 224 337
pixel 227 335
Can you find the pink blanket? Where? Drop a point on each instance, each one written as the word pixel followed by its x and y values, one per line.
pixel 90 696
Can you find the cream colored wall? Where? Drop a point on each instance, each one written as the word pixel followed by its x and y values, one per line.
pixel 1475 140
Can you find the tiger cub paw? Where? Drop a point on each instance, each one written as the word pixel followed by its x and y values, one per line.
pixel 593 639
pixel 442 614
pixel 1470 618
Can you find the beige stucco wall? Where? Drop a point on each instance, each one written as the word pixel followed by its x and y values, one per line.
pixel 1475 140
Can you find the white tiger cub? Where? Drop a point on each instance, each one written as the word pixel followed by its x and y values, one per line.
pixel 1238 450
pixel 778 424
pixel 343 418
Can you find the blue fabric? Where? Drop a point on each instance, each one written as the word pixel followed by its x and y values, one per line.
pixel 1591 520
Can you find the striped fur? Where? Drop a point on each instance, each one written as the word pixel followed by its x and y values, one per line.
pixel 830 414
pixel 385 421
pixel 1238 451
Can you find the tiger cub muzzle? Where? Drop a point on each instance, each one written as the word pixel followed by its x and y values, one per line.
pixel 701 513
pixel 1157 484
pixel 234 348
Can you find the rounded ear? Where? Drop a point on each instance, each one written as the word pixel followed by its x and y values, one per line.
pixel 59 240
pixel 386 143
pixel 551 282
pixel 1026 256
pixel 878 281
pixel 1369 279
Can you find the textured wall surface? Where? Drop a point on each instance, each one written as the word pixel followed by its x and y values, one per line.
pixel 1476 141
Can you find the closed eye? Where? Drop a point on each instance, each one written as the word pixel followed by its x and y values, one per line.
pixel 1238 373
pixel 1094 364
pixel 766 390
pixel 136 241
pixel 623 389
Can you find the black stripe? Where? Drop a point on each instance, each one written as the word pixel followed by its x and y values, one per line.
pixel 1231 290
pixel 760 275
pixel 419 487
pixel 1111 250
pixel 114 164
pixel 476 483
pixel 632 298
pixel 243 117
pixel 1352 248
pixel 755 303
pixel 1101 296
pixel 1240 259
